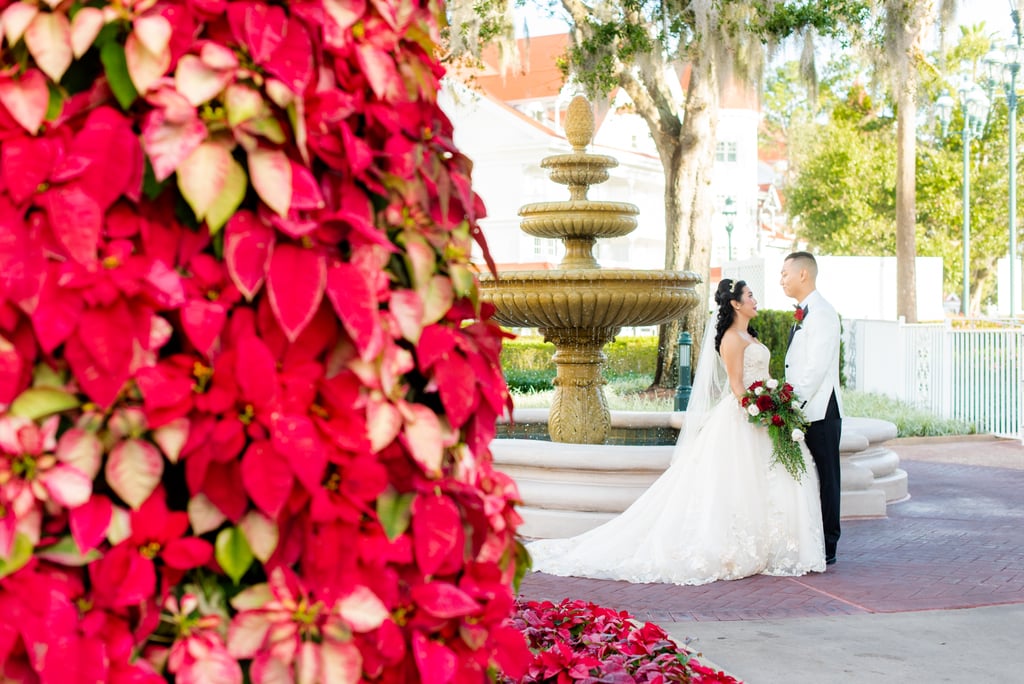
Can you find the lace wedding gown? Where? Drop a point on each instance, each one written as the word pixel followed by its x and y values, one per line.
pixel 720 511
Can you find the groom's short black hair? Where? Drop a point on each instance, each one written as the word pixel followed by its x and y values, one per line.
pixel 809 262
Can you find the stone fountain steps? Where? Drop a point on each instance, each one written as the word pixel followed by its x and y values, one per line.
pixel 570 488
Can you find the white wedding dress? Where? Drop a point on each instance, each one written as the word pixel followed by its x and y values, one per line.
pixel 720 511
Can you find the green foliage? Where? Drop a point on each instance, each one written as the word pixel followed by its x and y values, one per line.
pixel 910 421
pixel 528 366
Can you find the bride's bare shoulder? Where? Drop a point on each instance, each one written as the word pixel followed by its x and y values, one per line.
pixel 733 343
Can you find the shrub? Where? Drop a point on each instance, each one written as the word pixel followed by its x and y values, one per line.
pixel 246 393
pixel 579 641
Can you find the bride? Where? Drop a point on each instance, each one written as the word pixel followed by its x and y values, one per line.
pixel 721 510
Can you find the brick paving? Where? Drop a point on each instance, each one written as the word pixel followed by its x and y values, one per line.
pixel 958 542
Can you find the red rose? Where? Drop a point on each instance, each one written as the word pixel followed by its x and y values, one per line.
pixel 798 314
pixel 787 387
pixel 745 401
pixel 757 384
pixel 765 403
pixel 777 420
pixel 785 396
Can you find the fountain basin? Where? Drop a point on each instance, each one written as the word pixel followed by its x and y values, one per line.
pixel 578 219
pixel 567 489
pixel 589 298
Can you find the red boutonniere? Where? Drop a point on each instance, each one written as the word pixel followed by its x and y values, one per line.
pixel 799 314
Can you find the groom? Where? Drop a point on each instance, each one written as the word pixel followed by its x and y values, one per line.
pixel 812 368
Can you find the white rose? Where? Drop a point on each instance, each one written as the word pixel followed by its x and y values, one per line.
pixel 758 391
pixel 753 410
pixel 772 384
pixel 798 435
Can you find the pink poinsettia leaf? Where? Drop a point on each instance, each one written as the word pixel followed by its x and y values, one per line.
pixel 407 308
pixel 437 530
pixel 170 135
pixel 380 70
pixel 267 478
pixel 356 305
pixel 383 422
pixel 202 175
pixel 26 98
pixel 436 342
pixel 90 521
pixel 362 609
pixel 145 68
pixel 248 244
pixel 133 470
pixel 202 321
pixel 11 367
pixel 340 662
pixel 292 59
pixel 154 32
pixel 444 600
pixel 248 633
pixel 306 193
pixel 187 553
pixel 345 13
pixel 296 438
pixel 203 515
pixel 422 437
pixel 23 268
pixel 26 164
pixel 75 220
pixel 257 26
pixel 261 533
pixel 82 450
pixel 67 485
pixel 171 437
pixel 84 28
pixel 435 661
pixel 48 39
pixel 197 81
pixel 271 175
pixel 296 282
pixel 16 18
pixel 457 385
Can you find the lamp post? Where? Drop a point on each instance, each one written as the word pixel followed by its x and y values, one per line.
pixel 974 106
pixel 1003 67
pixel 683 390
pixel 729 212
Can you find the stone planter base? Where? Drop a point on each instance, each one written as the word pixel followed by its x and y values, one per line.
pixel 570 488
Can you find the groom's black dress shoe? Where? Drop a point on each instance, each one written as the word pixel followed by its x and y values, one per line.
pixel 831 560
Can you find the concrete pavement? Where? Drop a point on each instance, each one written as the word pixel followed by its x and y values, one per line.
pixel 932 593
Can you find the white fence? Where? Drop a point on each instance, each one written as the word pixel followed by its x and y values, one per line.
pixel 973 375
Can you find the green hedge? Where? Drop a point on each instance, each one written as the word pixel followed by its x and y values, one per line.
pixel 529 368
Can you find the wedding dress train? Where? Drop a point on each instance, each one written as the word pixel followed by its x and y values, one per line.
pixel 720 511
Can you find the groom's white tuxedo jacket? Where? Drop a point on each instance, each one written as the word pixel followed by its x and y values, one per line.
pixel 812 361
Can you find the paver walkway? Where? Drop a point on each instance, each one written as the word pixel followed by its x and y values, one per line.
pixel 958 542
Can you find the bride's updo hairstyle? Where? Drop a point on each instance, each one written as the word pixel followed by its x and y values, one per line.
pixel 728 291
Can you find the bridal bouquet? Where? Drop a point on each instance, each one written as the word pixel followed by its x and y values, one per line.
pixel 774 405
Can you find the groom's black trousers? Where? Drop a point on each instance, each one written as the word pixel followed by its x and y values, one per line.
pixel 823 442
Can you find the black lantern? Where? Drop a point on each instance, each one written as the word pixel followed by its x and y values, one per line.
pixel 683 390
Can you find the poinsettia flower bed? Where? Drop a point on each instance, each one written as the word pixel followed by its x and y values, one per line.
pixel 246 385
pixel 577 641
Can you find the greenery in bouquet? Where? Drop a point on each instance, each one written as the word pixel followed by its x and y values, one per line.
pixel 247 387
pixel 580 641
pixel 775 406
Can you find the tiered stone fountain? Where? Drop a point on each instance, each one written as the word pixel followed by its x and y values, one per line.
pixel 576 481
pixel 581 307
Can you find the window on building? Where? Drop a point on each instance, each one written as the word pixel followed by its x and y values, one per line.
pixel 725 151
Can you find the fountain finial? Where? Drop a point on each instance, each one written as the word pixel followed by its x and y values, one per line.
pixel 579 123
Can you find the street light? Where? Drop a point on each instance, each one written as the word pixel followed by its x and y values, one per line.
pixel 974 105
pixel 729 212
pixel 1003 67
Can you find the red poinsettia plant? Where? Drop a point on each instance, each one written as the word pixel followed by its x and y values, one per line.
pixel 580 641
pixel 246 385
